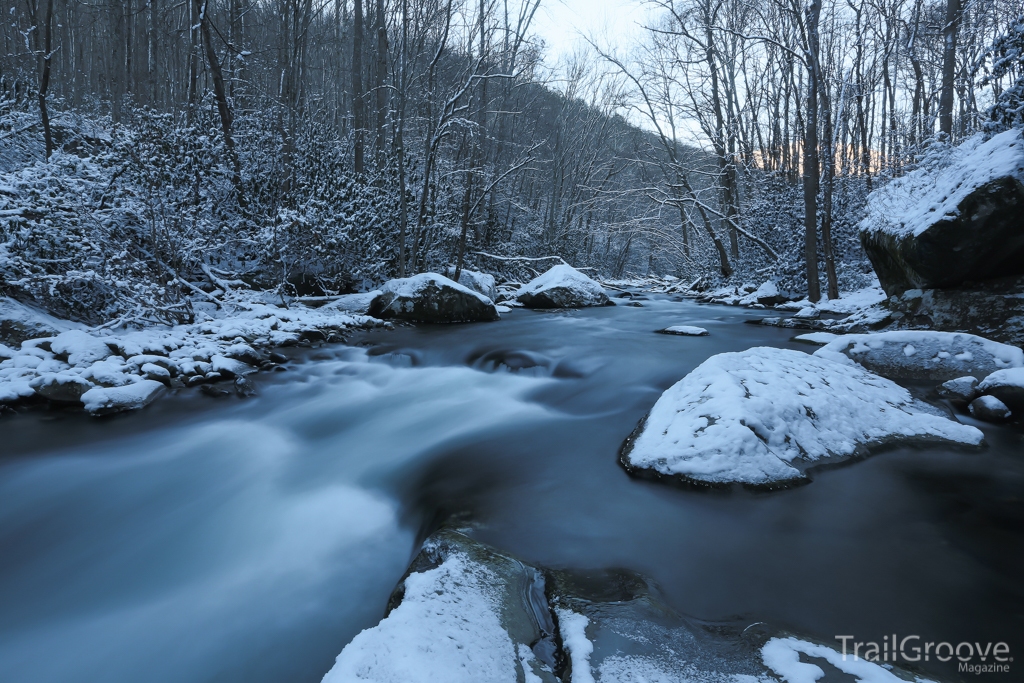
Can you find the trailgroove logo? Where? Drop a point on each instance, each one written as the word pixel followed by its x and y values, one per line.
pixel 972 658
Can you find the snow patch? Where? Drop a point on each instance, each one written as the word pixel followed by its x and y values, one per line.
pixel 782 655
pixel 573 629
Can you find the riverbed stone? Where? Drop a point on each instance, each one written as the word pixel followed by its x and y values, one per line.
pixel 990 409
pixel 61 387
pixel 1007 386
pixel 562 287
pixel 432 298
pixel 959 390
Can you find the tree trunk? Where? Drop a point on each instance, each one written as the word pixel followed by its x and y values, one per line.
pixel 949 35
pixel 358 96
pixel 811 162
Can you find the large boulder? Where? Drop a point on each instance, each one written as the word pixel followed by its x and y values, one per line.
pixel 562 287
pixel 923 354
pixel 954 220
pixel 432 298
pixel 763 416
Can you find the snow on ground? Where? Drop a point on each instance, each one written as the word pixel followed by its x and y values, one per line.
pixel 101 360
pixel 685 330
pixel 755 416
pixel 565 287
pixel 573 629
pixel 782 655
pixel 820 338
pixel 911 204
pixel 446 629
pixel 923 354
pixel 847 303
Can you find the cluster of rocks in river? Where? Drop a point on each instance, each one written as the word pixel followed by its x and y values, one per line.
pixel 466 612
pixel 58 362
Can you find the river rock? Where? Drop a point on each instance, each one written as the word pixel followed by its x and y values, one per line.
pixel 244 353
pixel 960 390
pixel 432 298
pixel 1007 386
pixel 229 367
pixel 562 287
pixel 79 347
pixel 155 372
pixel 951 221
pixel 990 409
pixel 767 295
pixel 463 613
pixel 921 354
pixel 993 309
pixel 63 387
pixel 685 331
pixel 762 417
pixel 107 400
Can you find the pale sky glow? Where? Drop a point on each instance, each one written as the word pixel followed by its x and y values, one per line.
pixel 562 23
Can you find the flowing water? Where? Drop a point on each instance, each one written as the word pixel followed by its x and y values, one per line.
pixel 227 540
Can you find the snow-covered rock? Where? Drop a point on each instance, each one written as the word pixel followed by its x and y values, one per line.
pixel 786 656
pixel 923 354
pixel 80 347
pixel 356 304
pixel 817 338
pixel 807 313
pixel 60 387
pixel 954 219
pixel 106 400
pixel 961 389
pixel 1007 386
pixel 685 330
pixel 764 415
pixel 432 298
pixel 562 286
pixel 767 295
pixel 990 409
pixel 229 367
pixel 483 283
pixel 463 617
pixel 19 322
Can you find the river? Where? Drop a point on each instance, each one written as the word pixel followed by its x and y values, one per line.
pixel 229 540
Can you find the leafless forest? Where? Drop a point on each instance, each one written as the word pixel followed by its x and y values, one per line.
pixel 155 150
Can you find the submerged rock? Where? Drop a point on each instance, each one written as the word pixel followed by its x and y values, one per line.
pixel 921 354
pixel 763 416
pixel 562 287
pixel 952 222
pixel 432 298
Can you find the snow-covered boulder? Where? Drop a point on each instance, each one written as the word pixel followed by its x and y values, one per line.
pixel 562 287
pixel 767 295
pixel 990 409
pixel 19 322
pixel 462 617
pixel 764 415
pixel 106 400
pixel 432 298
pixel 80 347
pixel 955 219
pixel 684 331
pixel 61 387
pixel 923 354
pixel 483 283
pixel 1007 386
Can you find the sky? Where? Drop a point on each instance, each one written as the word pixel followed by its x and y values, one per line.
pixel 611 22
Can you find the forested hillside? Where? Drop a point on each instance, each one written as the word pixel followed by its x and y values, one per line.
pixel 154 153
